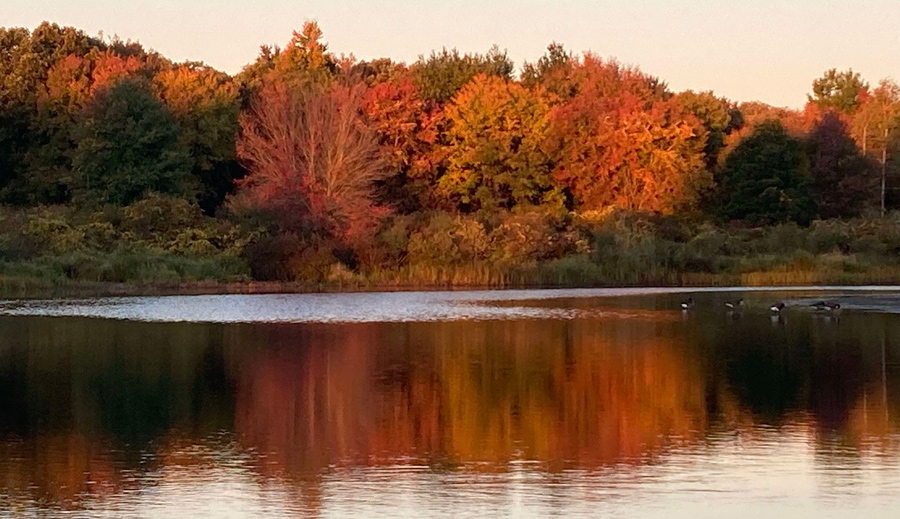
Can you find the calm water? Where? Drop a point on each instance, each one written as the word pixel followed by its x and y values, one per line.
pixel 521 403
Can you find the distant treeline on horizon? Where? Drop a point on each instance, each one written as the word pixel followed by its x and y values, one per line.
pixel 312 166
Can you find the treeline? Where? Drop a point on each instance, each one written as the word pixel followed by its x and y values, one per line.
pixel 117 164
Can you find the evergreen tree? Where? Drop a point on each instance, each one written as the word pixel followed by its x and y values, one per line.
pixel 766 179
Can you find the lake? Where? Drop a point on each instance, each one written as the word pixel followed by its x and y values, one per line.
pixel 604 403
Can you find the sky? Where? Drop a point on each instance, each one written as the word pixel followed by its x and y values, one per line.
pixel 745 50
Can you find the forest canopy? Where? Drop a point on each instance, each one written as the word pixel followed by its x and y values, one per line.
pixel 118 164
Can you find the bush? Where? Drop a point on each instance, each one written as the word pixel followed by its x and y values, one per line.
pixel 447 240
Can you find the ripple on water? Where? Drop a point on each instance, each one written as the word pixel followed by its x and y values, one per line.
pixel 411 306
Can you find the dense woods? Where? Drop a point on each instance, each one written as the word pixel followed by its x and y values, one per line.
pixel 119 165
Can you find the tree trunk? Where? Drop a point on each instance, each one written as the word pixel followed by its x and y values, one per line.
pixel 883 170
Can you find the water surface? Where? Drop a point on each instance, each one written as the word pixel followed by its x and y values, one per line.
pixel 469 404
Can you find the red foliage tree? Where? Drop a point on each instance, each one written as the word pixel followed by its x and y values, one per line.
pixel 408 129
pixel 311 159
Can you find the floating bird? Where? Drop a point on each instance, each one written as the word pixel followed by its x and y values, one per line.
pixel 776 308
pixel 687 305
pixel 731 305
pixel 822 306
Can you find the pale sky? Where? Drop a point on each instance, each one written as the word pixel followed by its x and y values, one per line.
pixel 742 49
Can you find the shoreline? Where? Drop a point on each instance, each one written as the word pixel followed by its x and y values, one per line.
pixel 100 290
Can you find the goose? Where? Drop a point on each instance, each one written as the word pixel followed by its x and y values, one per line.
pixel 687 305
pixel 777 307
pixel 731 305
pixel 822 306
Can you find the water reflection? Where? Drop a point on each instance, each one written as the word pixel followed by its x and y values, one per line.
pixel 121 418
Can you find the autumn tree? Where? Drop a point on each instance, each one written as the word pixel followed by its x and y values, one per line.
pixel 496 157
pixel 718 116
pixel 766 179
pixel 311 160
pixel 621 144
pixel 382 70
pixel 36 141
pixel 838 91
pixel 128 144
pixel 206 105
pixel 843 178
pixel 408 129
pixel 442 74
pixel 26 58
pixel 305 60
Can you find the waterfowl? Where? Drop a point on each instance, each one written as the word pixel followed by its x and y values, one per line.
pixel 687 305
pixel 777 307
pixel 822 306
pixel 731 305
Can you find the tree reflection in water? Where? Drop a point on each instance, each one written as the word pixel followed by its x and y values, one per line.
pixel 93 408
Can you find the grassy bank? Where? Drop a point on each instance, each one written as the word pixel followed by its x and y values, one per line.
pixel 164 246
pixel 565 274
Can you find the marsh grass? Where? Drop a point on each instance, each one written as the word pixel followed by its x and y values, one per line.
pixel 48 250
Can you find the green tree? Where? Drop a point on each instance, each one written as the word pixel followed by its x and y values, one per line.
pixel 378 71
pixel 552 70
pixel 442 74
pixel 34 139
pixel 766 179
pixel 838 91
pixel 128 144
pixel 13 145
pixel 206 105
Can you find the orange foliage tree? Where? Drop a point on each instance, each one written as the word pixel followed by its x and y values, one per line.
pixel 622 144
pixel 73 80
pixel 496 157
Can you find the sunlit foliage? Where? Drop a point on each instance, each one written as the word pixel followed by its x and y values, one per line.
pixel 840 91
pixel 496 156
pixel 623 143
pixel 447 170
pixel 311 160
